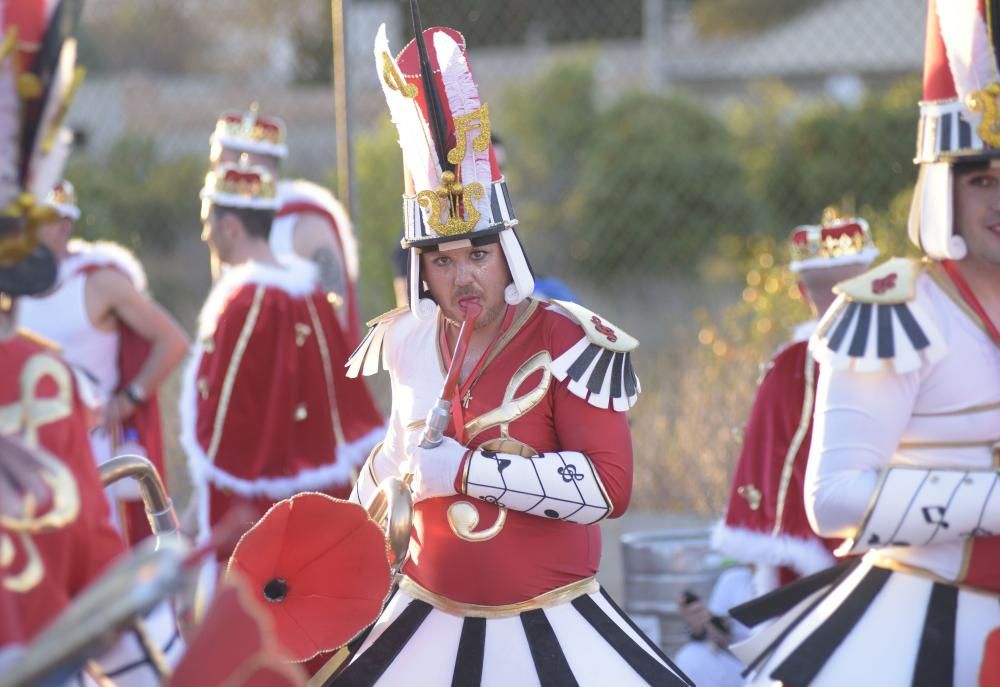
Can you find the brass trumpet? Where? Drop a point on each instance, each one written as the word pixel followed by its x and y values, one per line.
pixel 159 508
pixel 391 507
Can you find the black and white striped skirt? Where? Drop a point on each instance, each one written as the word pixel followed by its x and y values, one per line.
pixel 581 639
pixel 862 624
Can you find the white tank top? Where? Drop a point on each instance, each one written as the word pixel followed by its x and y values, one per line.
pixel 61 317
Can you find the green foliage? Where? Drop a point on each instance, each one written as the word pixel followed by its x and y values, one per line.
pixel 724 18
pixel 833 152
pixel 135 198
pixel 379 175
pixel 660 181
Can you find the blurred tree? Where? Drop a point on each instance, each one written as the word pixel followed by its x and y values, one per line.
pixel 313 42
pixel 660 182
pixel 724 18
pixel 832 152
pixel 135 198
pixel 514 22
pixel 379 172
pixel 159 37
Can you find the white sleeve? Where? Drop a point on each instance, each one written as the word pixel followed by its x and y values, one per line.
pixel 858 422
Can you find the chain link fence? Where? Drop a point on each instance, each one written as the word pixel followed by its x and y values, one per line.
pixel 658 152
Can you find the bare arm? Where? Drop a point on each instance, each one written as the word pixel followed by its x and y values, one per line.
pixel 119 298
pixel 313 239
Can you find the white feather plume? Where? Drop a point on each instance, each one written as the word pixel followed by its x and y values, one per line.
pixel 10 116
pixel 46 166
pixel 463 98
pixel 414 134
pixel 967 43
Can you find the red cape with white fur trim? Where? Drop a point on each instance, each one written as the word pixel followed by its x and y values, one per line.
pixel 266 409
pixel 765 519
pixel 88 256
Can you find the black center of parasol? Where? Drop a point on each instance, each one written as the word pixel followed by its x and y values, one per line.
pixel 276 590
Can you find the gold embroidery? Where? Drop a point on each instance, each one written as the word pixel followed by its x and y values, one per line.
pixel 234 365
pixel 463 518
pixel 467 123
pixel 32 572
pixel 556 597
pixel 986 102
pixel 512 408
pixel 800 433
pixel 394 80
pixel 459 199
pixel 331 392
pixel 752 494
pixel 302 332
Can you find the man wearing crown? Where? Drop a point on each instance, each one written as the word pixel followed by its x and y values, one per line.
pixel 765 524
pixel 266 410
pixel 122 341
pixel 500 586
pixel 309 222
pixel 906 433
pixel 55 533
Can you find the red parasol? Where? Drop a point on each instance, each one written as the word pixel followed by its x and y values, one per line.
pixel 321 564
pixel 235 646
pixel 989 672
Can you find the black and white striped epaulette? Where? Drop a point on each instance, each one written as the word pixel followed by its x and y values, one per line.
pixel 878 321
pixel 367 356
pixel 599 365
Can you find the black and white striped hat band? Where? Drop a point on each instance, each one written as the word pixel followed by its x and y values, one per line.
pixel 943 130
pixel 501 210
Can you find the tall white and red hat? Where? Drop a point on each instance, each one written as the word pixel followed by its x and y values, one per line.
pixel 959 115
pixel 38 78
pixel 455 190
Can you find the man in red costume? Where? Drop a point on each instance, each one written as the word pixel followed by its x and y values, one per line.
pixel 500 587
pixel 765 523
pixel 266 410
pixel 122 341
pixel 310 223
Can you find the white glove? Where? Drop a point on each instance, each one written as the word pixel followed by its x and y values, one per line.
pixel 433 469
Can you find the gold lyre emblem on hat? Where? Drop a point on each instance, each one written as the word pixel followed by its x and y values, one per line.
pixel 459 197
pixel 986 101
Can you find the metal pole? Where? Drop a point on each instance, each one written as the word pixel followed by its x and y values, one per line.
pixel 339 11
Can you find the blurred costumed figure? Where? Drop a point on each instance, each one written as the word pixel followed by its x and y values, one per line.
pixel 310 223
pixel 500 586
pixel 906 432
pixel 765 525
pixel 266 410
pixel 55 532
pixel 122 341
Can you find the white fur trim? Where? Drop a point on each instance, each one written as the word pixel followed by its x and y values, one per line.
pixel 805 556
pixel 84 254
pixel 204 472
pixel 300 281
pixel 301 191
pixel 865 257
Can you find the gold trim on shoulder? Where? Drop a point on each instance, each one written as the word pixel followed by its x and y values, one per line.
pixel 37 338
pixel 556 597
pixel 894 281
pixel 234 365
pixel 599 330
pixel 384 317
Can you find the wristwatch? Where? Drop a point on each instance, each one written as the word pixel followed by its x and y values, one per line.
pixel 135 393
